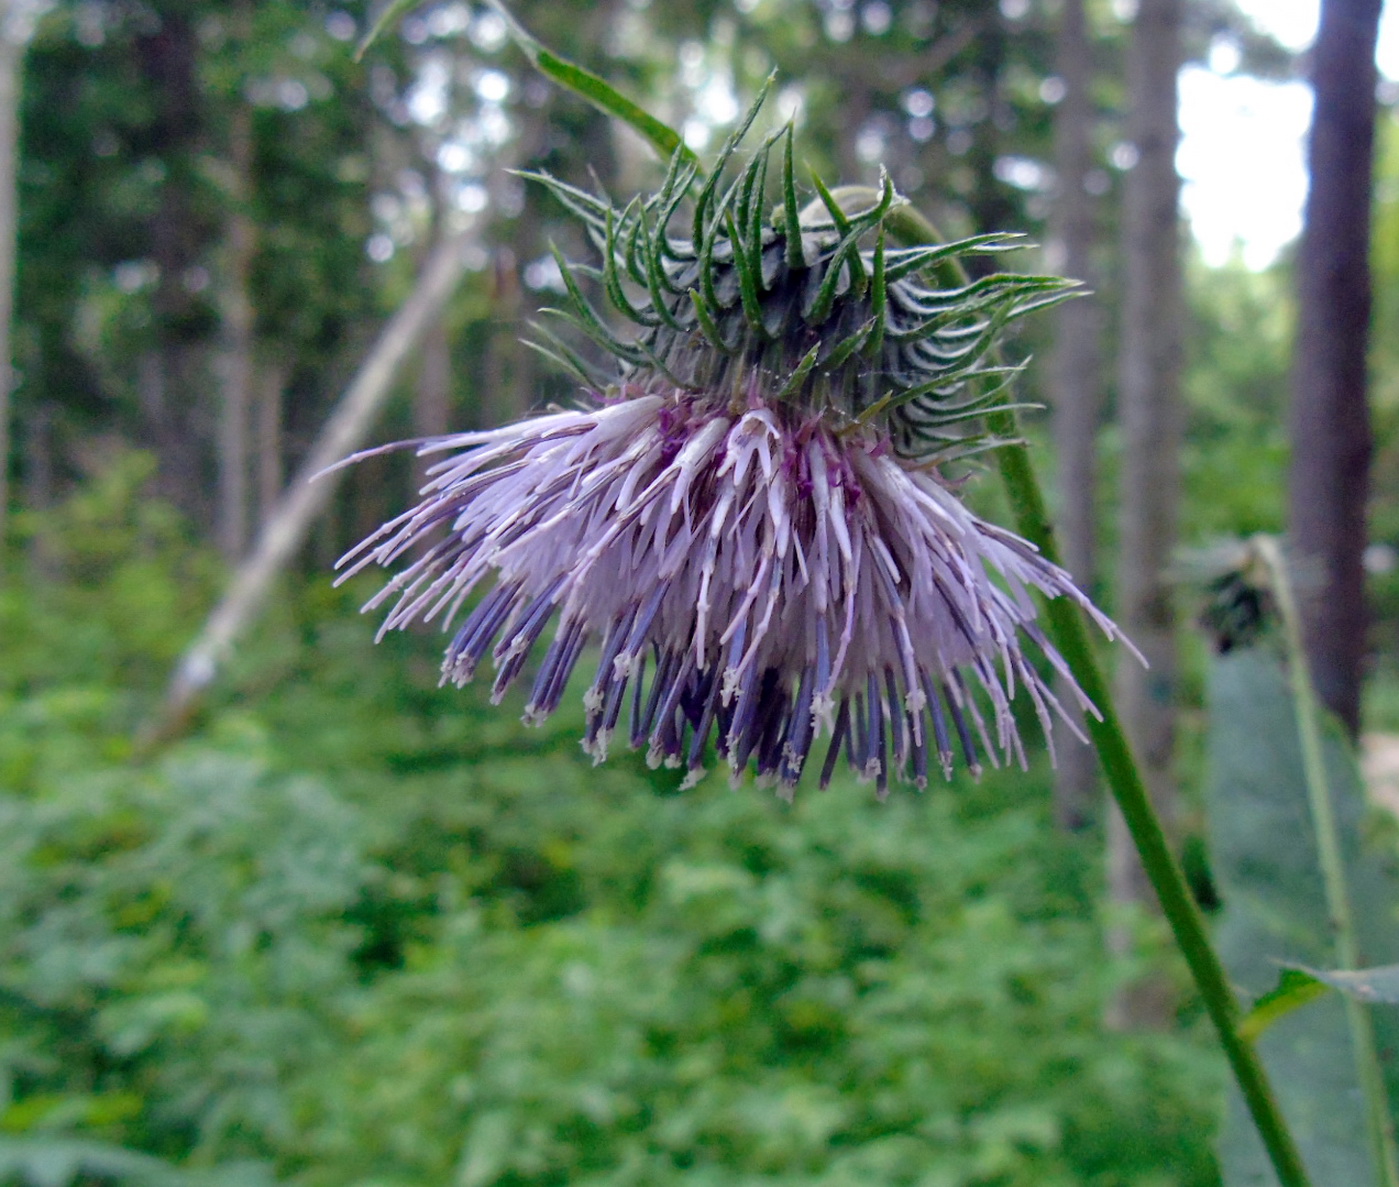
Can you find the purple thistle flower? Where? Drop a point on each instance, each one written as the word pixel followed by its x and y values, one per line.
pixel 748 518
pixel 783 582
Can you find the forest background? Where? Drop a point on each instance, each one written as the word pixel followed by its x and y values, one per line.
pixel 326 923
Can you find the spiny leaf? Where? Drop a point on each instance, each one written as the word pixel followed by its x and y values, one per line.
pixel 847 253
pixel 585 316
pixel 748 277
pixel 612 281
pixel 708 324
pixel 906 260
pixel 798 376
pixel 581 204
pixel 850 344
pixel 706 194
pixel 879 295
pixel 791 211
pixel 559 351
pixel 658 283
pixel 838 217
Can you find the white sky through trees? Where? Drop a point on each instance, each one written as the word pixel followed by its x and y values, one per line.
pixel 1243 143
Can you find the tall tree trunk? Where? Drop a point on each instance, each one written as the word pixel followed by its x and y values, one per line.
pixel 175 375
pixel 990 203
pixel 236 365
pixel 505 372
pixel 1075 366
pixel 1331 440
pixel 39 485
pixel 14 32
pixel 432 401
pixel 271 471
pixel 1150 406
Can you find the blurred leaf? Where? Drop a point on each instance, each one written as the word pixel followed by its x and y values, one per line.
pixel 583 83
pixel 1366 985
pixel 1264 861
pixel 391 15
pixel 74 1162
pixel 587 85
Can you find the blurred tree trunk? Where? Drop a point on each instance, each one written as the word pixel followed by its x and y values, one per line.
pixel 432 408
pixel 175 374
pixel 990 201
pixel 1075 366
pixel 271 469
pixel 432 395
pixel 1151 416
pixel 504 372
pixel 236 371
pixel 38 491
pixel 1331 439
pixel 14 33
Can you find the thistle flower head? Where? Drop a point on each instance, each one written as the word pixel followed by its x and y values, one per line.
pixel 747 515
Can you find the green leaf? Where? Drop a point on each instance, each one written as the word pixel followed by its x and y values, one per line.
pixel 798 376
pixel 1295 988
pixel 708 325
pixel 1265 865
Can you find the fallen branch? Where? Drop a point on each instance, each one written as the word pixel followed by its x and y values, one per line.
pixel 284 531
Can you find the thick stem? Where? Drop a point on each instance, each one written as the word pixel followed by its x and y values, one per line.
pixel 1329 857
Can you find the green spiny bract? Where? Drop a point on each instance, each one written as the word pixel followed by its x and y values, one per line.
pixel 809 307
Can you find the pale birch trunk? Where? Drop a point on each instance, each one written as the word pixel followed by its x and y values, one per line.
pixel 285 531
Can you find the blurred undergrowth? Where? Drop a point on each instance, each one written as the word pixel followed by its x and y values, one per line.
pixel 363 931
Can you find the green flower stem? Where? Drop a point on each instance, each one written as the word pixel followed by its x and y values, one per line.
pixel 1071 636
pixel 1329 857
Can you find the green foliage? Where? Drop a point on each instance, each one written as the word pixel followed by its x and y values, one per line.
pixel 366 931
pixel 1236 448
pixel 40 1162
